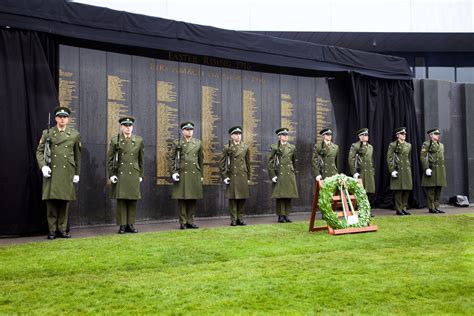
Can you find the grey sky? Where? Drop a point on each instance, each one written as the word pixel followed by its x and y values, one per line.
pixel 310 15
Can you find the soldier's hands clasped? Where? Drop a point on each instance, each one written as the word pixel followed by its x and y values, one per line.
pixel 318 178
pixel 274 179
pixel 227 180
pixel 75 179
pixel 428 172
pixel 395 174
pixel 356 175
pixel 140 179
pixel 113 179
pixel 46 171
pixel 175 177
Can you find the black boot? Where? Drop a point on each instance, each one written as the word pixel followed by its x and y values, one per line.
pixel 281 219
pixel 440 211
pixel 433 211
pixel 400 213
pixel 406 212
pixel 51 235
pixel 182 226
pixel 241 222
pixel 192 226
pixel 64 234
pixel 287 219
pixel 122 229
pixel 233 223
pixel 131 229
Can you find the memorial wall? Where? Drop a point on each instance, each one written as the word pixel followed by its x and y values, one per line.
pixel 100 86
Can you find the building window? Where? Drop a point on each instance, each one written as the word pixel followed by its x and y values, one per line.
pixel 420 68
pixel 465 74
pixel 442 73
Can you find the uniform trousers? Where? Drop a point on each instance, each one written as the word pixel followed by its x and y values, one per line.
pixel 283 207
pixel 433 195
pixel 401 199
pixel 186 211
pixel 56 212
pixel 126 211
pixel 236 209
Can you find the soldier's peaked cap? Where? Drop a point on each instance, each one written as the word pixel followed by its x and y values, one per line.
pixel 235 129
pixel 282 131
pixel 126 120
pixel 433 131
pixel 363 131
pixel 325 131
pixel 400 130
pixel 187 125
pixel 61 111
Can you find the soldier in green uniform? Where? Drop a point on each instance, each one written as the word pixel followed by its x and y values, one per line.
pixel 125 160
pixel 185 166
pixel 399 166
pixel 434 177
pixel 60 165
pixel 281 169
pixel 324 161
pixel 235 170
pixel 361 160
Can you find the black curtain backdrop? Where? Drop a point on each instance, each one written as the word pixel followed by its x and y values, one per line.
pixel 27 93
pixel 382 106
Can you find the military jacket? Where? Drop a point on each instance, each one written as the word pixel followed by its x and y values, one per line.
pixel 186 158
pixel 65 163
pixel 235 165
pixel 399 159
pixel 432 157
pixel 361 161
pixel 324 160
pixel 129 168
pixel 281 163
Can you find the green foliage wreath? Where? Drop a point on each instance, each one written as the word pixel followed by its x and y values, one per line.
pixel 334 183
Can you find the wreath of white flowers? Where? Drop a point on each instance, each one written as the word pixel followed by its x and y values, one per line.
pixel 349 185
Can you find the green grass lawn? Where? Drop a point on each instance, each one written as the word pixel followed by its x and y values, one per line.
pixel 412 265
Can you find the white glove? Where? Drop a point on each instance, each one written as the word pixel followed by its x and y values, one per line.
pixel 175 177
pixel 46 171
pixel 75 179
pixel 395 174
pixel 274 179
pixel 318 178
pixel 428 172
pixel 202 179
pixel 356 175
pixel 113 179
pixel 227 181
pixel 140 179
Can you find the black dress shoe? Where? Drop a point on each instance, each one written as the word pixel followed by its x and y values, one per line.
pixel 64 234
pixel 406 213
pixel 440 211
pixel 233 223
pixel 400 213
pixel 287 219
pixel 192 226
pixel 182 226
pixel 281 219
pixel 122 229
pixel 241 222
pixel 433 211
pixel 51 235
pixel 131 229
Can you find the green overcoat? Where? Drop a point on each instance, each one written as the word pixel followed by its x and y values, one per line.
pixel 235 165
pixel 432 156
pixel 65 163
pixel 281 163
pixel 130 166
pixel 189 167
pixel 399 159
pixel 324 161
pixel 361 161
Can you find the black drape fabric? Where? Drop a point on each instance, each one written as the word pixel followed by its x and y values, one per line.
pixel 382 106
pixel 27 93
pixel 84 22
